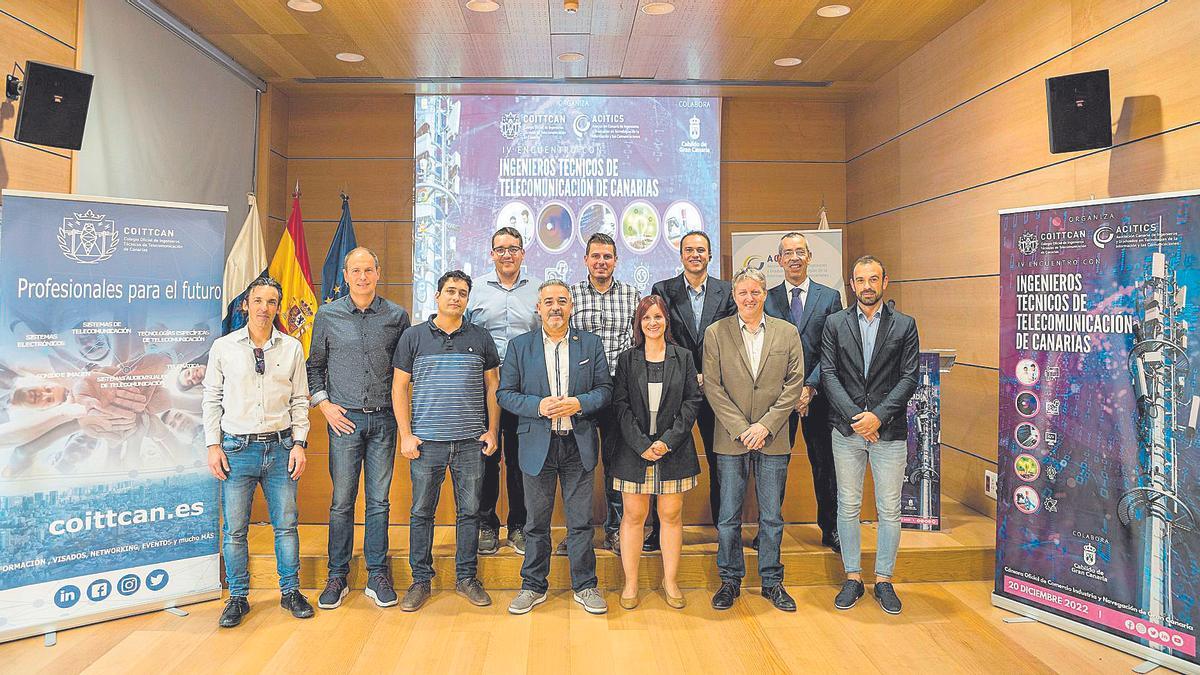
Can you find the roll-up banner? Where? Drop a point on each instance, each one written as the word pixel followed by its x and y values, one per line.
pixel 760 251
pixel 1099 488
pixel 108 308
pixel 921 494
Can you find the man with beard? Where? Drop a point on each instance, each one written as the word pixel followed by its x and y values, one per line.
pixel 869 371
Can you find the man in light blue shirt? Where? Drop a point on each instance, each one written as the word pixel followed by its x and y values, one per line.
pixel 504 302
pixel 870 329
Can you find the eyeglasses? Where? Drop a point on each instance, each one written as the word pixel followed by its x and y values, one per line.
pixel 509 250
pixel 260 361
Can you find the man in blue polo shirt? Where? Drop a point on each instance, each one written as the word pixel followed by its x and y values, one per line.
pixel 444 395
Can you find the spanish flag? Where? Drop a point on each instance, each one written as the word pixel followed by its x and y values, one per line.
pixel 291 269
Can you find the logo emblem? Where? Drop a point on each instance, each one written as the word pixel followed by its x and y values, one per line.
pixel 510 125
pixel 1102 236
pixel 299 317
pixel 580 125
pixel 694 128
pixel 1027 243
pixel 1089 554
pixel 88 238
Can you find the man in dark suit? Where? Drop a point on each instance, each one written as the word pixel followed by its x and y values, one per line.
pixel 806 304
pixel 868 372
pixel 555 379
pixel 695 301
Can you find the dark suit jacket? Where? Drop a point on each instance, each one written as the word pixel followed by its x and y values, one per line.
pixel 677 411
pixel 821 302
pixel 890 383
pixel 523 385
pixel 718 304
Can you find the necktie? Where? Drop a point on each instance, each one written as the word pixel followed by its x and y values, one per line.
pixel 797 309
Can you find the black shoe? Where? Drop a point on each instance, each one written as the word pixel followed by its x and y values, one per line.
pixel 297 604
pixel 779 597
pixel 379 588
pixel 726 595
pixel 833 541
pixel 489 541
pixel 561 549
pixel 754 543
pixel 612 542
pixel 236 609
pixel 886 596
pixel 852 590
pixel 651 544
pixel 335 591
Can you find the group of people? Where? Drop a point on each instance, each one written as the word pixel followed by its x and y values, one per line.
pixel 555 379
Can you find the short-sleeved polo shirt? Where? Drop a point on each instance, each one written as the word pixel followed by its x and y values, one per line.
pixel 449 399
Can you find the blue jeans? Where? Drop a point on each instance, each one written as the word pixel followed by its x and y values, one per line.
pixel 369 451
pixel 888 460
pixel 464 459
pixel 770 478
pixel 563 466
pixel 251 464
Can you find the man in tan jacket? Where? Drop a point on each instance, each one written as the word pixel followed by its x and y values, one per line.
pixel 753 377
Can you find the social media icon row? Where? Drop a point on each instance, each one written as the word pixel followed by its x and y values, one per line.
pixel 100 589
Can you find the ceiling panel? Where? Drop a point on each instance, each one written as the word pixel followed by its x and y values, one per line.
pixel 722 40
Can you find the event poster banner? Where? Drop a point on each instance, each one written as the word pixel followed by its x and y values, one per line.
pixel 1099 469
pixel 107 311
pixel 760 251
pixel 645 171
pixel 921 494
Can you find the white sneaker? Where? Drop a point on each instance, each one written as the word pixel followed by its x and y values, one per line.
pixel 525 601
pixel 592 601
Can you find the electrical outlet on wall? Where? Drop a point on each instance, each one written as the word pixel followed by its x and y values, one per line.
pixel 989 483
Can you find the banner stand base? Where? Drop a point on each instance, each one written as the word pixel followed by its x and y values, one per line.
pixel 176 611
pixel 1096 635
pixel 51 638
pixel 1145 667
pixel 1020 619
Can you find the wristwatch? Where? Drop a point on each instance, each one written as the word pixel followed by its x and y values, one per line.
pixel 303 444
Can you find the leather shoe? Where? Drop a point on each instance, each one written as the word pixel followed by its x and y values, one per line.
pixel 236 609
pixel 651 544
pixel 297 604
pixel 724 597
pixel 754 543
pixel 833 541
pixel 779 597
pixel 612 542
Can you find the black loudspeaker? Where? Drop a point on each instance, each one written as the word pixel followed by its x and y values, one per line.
pixel 1079 111
pixel 54 106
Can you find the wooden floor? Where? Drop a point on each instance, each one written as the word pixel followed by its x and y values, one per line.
pixel 945 628
pixel 963 551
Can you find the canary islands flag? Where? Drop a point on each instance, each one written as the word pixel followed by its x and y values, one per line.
pixel 291 269
pixel 333 282
pixel 247 261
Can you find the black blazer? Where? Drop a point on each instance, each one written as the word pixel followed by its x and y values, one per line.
pixel 676 414
pixel 718 304
pixel 890 383
pixel 822 302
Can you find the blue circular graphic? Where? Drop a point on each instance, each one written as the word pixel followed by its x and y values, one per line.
pixel 157 580
pixel 99 589
pixel 129 584
pixel 66 596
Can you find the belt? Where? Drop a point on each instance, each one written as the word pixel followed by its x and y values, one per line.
pixel 277 436
pixel 560 432
pixel 368 411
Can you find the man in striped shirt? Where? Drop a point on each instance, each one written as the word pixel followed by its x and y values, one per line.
pixel 444 396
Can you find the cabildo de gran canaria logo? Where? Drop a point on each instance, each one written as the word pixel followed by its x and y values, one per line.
pixel 88 238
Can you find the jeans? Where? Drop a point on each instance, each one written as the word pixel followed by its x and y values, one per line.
pixel 888 460
pixel 820 456
pixel 465 461
pixel 252 464
pixel 490 496
pixel 369 451
pixel 706 420
pixel 770 478
pixel 614 506
pixel 562 466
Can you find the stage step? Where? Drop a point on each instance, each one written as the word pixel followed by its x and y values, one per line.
pixel 963 551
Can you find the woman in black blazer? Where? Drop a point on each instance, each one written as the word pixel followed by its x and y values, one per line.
pixel 656 396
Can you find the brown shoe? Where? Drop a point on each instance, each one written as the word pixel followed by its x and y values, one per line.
pixel 416 596
pixel 473 591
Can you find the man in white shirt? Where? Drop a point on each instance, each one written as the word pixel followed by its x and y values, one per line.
pixel 256 425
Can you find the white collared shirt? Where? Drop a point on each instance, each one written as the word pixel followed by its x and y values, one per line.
pixel 753 340
pixel 237 400
pixel 804 286
pixel 558 373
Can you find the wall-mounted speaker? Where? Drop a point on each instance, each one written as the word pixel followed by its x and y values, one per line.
pixel 54 106
pixel 1079 111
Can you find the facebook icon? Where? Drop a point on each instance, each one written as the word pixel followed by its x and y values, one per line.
pixel 66 596
pixel 99 590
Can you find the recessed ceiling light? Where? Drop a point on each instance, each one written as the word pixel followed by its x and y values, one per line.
pixel 787 61
pixel 304 5
pixel 833 11
pixel 570 57
pixel 657 8
pixel 350 57
pixel 482 5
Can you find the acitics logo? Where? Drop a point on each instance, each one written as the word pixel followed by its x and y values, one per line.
pixel 758 262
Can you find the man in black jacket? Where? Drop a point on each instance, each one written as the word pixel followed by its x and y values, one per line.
pixel 869 371
pixel 695 301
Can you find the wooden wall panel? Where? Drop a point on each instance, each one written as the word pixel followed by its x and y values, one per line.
pixel 958 131
pixel 19 43
pixel 379 189
pixel 54 17
pixel 25 167
pixel 782 192
pixel 762 130
pixel 383 126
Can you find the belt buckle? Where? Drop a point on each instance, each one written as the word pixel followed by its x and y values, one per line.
pixel 561 432
pixel 368 411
